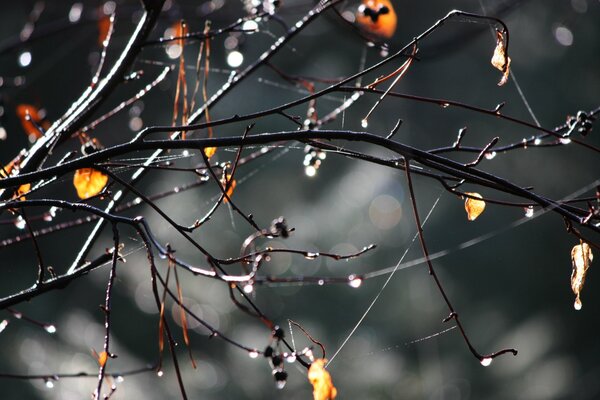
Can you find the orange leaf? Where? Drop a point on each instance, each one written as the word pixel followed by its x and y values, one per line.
pixel 29 117
pixel 581 257
pixel 210 151
pixel 474 207
pixel 229 186
pixel 318 376
pixel 377 18
pixel 24 188
pixel 499 60
pixel 103 29
pixel 89 182
pixel 101 357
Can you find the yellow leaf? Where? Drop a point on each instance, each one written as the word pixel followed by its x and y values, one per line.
pixel 89 182
pixel 499 60
pixel 210 151
pixel 474 207
pixel 229 185
pixel 318 376
pixel 581 257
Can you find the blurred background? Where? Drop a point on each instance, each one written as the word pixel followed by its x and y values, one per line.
pixel 508 275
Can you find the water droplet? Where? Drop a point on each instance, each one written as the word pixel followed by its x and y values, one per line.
pixel 310 171
pixel 565 140
pixel 20 223
pixel 248 288
pixel 253 354
pixel 280 384
pixel 75 12
pixel 490 155
pixel 49 384
pixel 47 217
pixel 235 59
pixel 3 325
pixel 486 361
pixel 445 105
pixel 53 211
pixel 25 59
pixel 291 358
pixel 17 315
pixel 529 211
pixel 577 305
pixel 537 141
pixel 524 141
pixel 364 123
pixel 354 282
pixel 311 256
pixel 320 282
pixel 50 328
pixel 120 379
pixel 185 153
pixel 160 373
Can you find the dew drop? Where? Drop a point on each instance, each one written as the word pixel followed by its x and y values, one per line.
pixel 320 282
pixel 3 325
pixel 20 223
pixel 311 256
pixel 160 373
pixel 47 217
pixel 537 141
pixel 565 140
pixel 486 361
pixel 529 211
pixel 49 384
pixel 280 384
pixel 490 155
pixel 354 282
pixel 364 123
pixel 120 378
pixel 310 171
pixel 291 358
pixel 253 354
pixel 53 211
pixel 445 105
pixel 248 288
pixel 50 328
pixel 577 305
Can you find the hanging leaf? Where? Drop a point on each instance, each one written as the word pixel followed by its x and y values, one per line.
pixel 26 187
pixel 210 151
pixel 499 60
pixel 377 18
pixel 581 257
pixel 89 182
pixel 318 376
pixel 229 186
pixel 474 207
pixel 31 119
pixel 101 357
pixel 104 25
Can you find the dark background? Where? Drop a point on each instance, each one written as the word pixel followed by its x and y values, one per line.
pixel 507 276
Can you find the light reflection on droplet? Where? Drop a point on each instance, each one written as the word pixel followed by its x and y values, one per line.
pixel 75 12
pixel 486 361
pixel 3 325
pixel 565 140
pixel 25 59
pixel 354 282
pixel 120 379
pixel 50 328
pixel 577 305
pixel 253 354
pixel 280 384
pixel 20 222
pixel 160 373
pixel 235 59
pixel 250 27
pixel 529 212
pixel 49 384
pixel 3 134
pixel 563 35
pixel 310 171
pixel 537 141
pixel 364 123
pixel 321 282
pixel 490 155
pixel 248 288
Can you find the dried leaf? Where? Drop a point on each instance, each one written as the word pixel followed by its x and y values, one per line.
pixel 318 376
pixel 581 257
pixel 101 357
pixel 377 18
pixel 89 182
pixel 229 186
pixel 30 119
pixel 499 60
pixel 210 151
pixel 474 207
pixel 26 187
pixel 103 29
